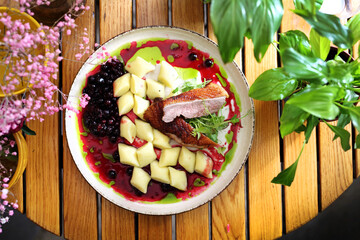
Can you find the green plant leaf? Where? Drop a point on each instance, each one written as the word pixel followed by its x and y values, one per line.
pixel 328 26
pixel 27 130
pixel 357 142
pixel 308 5
pixel 300 129
pixel 291 119
pixel 354 113
pixel 303 67
pixel 312 122
pixel 343 134
pixel 297 40
pixel 265 23
pixel 273 84
pixel 339 73
pixel 318 101
pixel 354 26
pixel 286 177
pixel 343 120
pixel 320 46
pixel 230 22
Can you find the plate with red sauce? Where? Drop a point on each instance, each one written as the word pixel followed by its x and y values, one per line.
pixel 101 136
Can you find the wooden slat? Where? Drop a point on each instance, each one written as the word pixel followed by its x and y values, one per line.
pixel 79 196
pixel 336 169
pixel 153 13
pixel 233 197
pixel 228 209
pixel 264 160
pixel 115 18
pixel 357 152
pixel 42 174
pixel 117 223
pixel 193 224
pixel 154 227
pixel 189 14
pixel 301 199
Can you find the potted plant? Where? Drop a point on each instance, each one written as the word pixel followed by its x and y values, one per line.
pixel 315 85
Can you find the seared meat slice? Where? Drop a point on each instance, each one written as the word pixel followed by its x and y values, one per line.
pixel 179 130
pixel 195 103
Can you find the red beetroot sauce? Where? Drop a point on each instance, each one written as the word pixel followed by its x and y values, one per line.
pixel 97 148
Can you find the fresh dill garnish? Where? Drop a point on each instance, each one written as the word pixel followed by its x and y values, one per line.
pixel 191 84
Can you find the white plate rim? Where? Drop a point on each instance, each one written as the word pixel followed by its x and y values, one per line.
pixel 148 208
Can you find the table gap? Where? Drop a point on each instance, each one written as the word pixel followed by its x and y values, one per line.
pixel 97 21
pixel 61 152
pixel 24 191
pixel 136 215
pixel 173 227
pixel 136 225
pixel 318 167
pixel 353 150
pixel 281 147
pixel 170 12
pixel 133 14
pixel 97 40
pixel 246 190
pixel 206 19
pixel 206 33
pixel 98 205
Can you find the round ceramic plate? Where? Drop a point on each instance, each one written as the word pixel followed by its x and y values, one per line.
pixel 244 137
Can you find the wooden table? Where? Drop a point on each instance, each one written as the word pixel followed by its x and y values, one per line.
pixel 54 194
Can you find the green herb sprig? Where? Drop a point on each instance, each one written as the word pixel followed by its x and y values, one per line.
pixel 190 85
pixel 210 125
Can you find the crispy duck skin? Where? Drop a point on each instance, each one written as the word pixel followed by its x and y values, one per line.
pixel 195 103
pixel 179 129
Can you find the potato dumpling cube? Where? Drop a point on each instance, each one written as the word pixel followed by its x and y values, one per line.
pixel 160 174
pixel 178 179
pixel 140 106
pixel 161 140
pixel 137 86
pixel 127 129
pixel 154 89
pixel 203 164
pixel 167 75
pixel 128 155
pixel 144 130
pixel 125 103
pixel 187 159
pixel 169 157
pixel 145 154
pixel 139 67
pixel 140 179
pixel 121 85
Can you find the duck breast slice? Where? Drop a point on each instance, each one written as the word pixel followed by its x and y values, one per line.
pixel 195 103
pixel 178 129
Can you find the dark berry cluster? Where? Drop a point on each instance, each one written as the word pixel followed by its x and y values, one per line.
pixel 101 115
